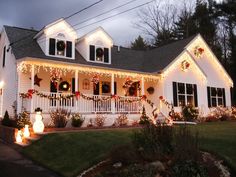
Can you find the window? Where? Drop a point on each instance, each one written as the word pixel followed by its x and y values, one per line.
pixel 60 47
pixel 4 57
pixel 216 96
pixel 99 54
pixel 184 94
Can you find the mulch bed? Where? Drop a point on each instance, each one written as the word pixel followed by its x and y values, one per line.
pixel 215 167
pixel 74 129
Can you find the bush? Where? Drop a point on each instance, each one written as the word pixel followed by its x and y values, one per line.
pixel 186 145
pixel 153 142
pixel 189 168
pixel 60 117
pixel 122 120
pixel 100 120
pixel 211 119
pixel 23 119
pixel 190 113
pixel 6 121
pixel 77 120
pixel 144 119
pixel 124 154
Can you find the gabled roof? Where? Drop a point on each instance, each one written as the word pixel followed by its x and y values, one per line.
pixel 150 61
pixel 94 31
pixel 61 20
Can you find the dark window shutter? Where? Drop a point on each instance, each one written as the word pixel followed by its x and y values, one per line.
pixel 106 55
pixel 4 56
pixel 195 95
pixel 175 94
pixel 92 52
pixel 73 85
pixel 53 87
pixel 209 96
pixel 96 89
pixel 52 45
pixel 115 88
pixel 224 100
pixel 68 49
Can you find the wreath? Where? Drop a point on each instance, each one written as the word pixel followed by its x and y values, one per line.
pixel 150 90
pixel 198 51
pixel 61 45
pixel 99 52
pixel 64 86
pixel 185 65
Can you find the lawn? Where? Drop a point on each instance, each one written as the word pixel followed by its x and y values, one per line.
pixel 71 153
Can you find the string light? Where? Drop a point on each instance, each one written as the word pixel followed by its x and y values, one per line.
pixel 26 66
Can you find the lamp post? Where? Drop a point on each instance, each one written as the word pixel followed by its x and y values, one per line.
pixel 38 126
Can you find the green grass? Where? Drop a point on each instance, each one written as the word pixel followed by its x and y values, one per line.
pixel 71 153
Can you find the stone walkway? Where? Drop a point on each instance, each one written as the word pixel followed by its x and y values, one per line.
pixel 13 164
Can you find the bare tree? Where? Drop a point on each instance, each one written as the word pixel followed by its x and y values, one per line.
pixel 157 22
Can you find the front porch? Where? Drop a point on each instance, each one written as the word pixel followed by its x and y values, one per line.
pixel 81 90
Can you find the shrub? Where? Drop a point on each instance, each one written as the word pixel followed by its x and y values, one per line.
pixel 153 142
pixel 190 113
pixel 100 120
pixel 144 119
pixel 6 121
pixel 122 120
pixel 60 117
pixel 77 120
pixel 189 168
pixel 124 154
pixel 211 119
pixel 23 119
pixel 186 145
pixel 176 116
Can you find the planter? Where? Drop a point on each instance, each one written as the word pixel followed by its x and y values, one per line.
pixel 7 134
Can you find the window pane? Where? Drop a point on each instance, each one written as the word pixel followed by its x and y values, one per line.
pixel 190 100
pixel 213 102
pixel 219 92
pixel 181 100
pixel 181 88
pixel 189 88
pixel 213 91
pixel 220 102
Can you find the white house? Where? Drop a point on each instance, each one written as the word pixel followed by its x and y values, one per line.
pixel 53 68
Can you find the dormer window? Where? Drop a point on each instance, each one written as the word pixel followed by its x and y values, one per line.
pixel 59 47
pixel 99 54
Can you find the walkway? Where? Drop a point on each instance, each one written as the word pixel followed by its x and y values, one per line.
pixel 13 164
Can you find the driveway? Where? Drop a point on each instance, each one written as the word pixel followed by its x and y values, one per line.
pixel 13 164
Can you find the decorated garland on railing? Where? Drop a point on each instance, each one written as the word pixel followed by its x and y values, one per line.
pixel 76 95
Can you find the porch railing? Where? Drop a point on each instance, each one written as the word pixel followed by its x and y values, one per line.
pixel 105 105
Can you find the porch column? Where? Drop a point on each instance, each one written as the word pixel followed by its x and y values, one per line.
pixel 76 89
pixel 19 99
pixel 113 109
pixel 32 87
pixel 142 86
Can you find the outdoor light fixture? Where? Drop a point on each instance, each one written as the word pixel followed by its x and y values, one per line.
pixel 26 131
pixel 1 84
pixel 18 136
pixel 38 126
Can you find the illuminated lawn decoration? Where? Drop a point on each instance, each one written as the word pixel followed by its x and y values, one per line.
pixel 19 136
pixel 26 131
pixel 38 126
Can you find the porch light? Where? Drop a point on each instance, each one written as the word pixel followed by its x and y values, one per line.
pixel 38 126
pixel 1 84
pixel 18 136
pixel 26 131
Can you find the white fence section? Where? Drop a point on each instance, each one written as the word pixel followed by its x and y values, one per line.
pixel 81 105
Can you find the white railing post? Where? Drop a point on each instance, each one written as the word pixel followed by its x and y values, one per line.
pixel 113 109
pixel 32 87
